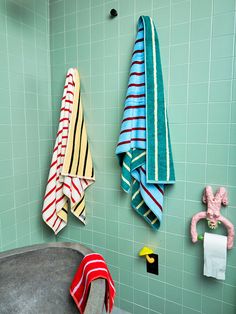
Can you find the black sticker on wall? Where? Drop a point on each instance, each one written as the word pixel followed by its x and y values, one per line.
pixel 153 268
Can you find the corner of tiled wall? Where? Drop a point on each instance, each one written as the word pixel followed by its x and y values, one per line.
pixel 25 123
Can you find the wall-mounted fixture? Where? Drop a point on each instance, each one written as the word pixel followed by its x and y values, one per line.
pixel 113 13
pixel 151 260
pixel 214 245
pixel 146 251
pixel 213 215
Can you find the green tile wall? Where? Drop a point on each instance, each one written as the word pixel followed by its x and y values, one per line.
pixel 197 41
pixel 25 120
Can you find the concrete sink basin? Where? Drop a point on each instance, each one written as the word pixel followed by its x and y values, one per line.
pixel 36 280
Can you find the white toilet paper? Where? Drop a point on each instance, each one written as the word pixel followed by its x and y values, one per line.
pixel 215 255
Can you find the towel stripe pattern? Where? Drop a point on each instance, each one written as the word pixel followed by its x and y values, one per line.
pixel 160 168
pixel 93 266
pixel 135 148
pixel 71 169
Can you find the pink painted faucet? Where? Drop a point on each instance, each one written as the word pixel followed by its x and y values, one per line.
pixel 213 214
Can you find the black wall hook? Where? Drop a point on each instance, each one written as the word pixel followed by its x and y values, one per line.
pixel 113 13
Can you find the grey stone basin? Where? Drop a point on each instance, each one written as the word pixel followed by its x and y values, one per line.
pixel 36 280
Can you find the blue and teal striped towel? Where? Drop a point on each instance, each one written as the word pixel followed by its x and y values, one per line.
pixel 144 147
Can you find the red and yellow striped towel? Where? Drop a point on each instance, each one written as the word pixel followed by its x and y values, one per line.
pixel 71 169
pixel 93 266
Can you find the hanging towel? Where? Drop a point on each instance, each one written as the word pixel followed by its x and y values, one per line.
pixel 215 255
pixel 144 147
pixel 71 169
pixel 93 266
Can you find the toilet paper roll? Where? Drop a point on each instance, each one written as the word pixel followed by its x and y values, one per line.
pixel 215 255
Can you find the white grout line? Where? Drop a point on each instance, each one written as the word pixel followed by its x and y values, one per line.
pixel 208 108
pixel 186 144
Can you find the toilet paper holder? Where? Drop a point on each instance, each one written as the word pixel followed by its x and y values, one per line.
pixel 213 215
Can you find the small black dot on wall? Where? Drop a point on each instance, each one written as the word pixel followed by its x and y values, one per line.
pixel 113 13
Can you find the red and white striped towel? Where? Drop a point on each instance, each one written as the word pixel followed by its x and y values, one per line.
pixel 93 266
pixel 71 169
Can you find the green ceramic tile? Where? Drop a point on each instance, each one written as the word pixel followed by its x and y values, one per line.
pixel 210 305
pixel 180 13
pixel 221 69
pixel 174 294
pixel 126 26
pixel 178 94
pixel 127 277
pixel 192 300
pixel 232 155
pixel 100 225
pixel 9 235
pixel 192 264
pixel 23 229
pixel 113 258
pixel 179 54
pixel 125 231
pixel 141 6
pixel 179 74
pixel 8 218
pixel 126 293
pixel 222 46
pixel 140 282
pixel 172 307
pixel 220 178
pixel 219 112
pixel 219 7
pixel 71 8
pixel 140 310
pixel 228 308
pixel 126 262
pixel 231 177
pixel 58 9
pixel 70 22
pixel 200 29
pixel 141 298
pixel 157 288
pixel 220 91
pixel 198 93
pixel 201 9
pixel 192 282
pixel 194 191
pixel 213 292
pixel 174 260
pixel 174 243
pixel 196 153
pixel 226 28
pixel 180 33
pixel 200 51
pixel 126 305
pixel 156 304
pixel 5 133
pixel 195 172
pixel 20 182
pixel 199 72
pixel 218 133
pixel 126 247
pixel 161 16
